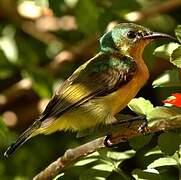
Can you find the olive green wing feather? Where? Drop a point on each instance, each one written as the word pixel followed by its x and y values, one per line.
pixel 98 77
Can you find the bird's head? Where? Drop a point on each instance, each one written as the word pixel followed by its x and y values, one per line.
pixel 126 38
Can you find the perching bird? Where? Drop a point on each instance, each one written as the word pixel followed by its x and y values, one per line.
pixel 100 88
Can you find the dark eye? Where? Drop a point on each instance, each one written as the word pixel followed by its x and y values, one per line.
pixel 131 34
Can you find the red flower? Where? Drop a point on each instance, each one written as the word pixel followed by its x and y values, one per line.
pixel 175 100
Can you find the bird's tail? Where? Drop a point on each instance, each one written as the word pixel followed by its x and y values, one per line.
pixel 22 138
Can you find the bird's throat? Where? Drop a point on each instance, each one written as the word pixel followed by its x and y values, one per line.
pixel 137 54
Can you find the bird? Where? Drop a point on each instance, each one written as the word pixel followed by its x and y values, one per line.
pixel 98 89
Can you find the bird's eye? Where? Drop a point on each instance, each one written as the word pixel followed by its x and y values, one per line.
pixel 131 34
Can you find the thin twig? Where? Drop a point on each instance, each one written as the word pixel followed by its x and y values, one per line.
pixel 158 8
pixel 122 135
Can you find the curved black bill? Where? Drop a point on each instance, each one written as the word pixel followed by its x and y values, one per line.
pixel 156 35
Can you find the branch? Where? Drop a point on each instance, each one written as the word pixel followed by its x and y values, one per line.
pixel 122 135
pixel 154 10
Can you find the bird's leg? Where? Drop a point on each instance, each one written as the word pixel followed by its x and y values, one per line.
pixel 142 128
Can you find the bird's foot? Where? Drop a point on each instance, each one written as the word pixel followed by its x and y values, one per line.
pixel 143 128
pixel 107 142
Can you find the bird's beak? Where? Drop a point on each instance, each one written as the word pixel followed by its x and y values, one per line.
pixel 157 35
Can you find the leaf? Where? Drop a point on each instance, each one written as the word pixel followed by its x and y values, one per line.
pixel 87 16
pixel 3 128
pixel 6 67
pixel 165 161
pixel 176 57
pixel 58 177
pixel 93 175
pixel 166 50
pixel 168 172
pixel 27 53
pixel 154 152
pixel 8 44
pixel 93 157
pixel 178 32
pixel 97 172
pixel 42 81
pixel 138 142
pixel 5 135
pixel 140 105
pixel 104 167
pixel 148 174
pixel 169 78
pixel 169 142
pixel 118 156
pixel 85 161
pixel 161 112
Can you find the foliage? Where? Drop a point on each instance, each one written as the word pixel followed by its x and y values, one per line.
pixel 44 45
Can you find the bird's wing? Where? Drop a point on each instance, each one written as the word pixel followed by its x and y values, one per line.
pixel 99 76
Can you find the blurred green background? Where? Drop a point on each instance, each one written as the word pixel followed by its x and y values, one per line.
pixel 41 43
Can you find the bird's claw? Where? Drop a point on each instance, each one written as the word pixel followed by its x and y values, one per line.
pixel 143 128
pixel 107 142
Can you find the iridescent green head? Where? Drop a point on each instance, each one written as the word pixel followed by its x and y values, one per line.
pixel 123 37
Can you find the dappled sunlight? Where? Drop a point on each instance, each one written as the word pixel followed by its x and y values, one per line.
pixel 3 99
pixel 43 42
pixel 9 118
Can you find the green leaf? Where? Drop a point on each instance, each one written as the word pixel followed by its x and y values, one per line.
pixel 178 32
pixel 42 82
pixel 8 44
pixel 140 105
pixel 104 167
pixel 138 142
pixel 97 172
pixel 3 128
pixel 85 161
pixel 87 16
pixel 148 174
pixel 161 112
pixel 99 165
pixel 176 57
pixel 166 50
pixel 89 159
pixel 120 156
pixel 168 172
pixel 27 53
pixel 58 177
pixel 169 142
pixel 5 135
pixel 169 78
pixel 165 161
pixel 154 152
pixel 6 67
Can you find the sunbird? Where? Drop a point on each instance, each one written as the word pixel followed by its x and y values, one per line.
pixel 100 88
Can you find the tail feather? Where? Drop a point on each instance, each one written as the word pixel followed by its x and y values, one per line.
pixel 22 138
